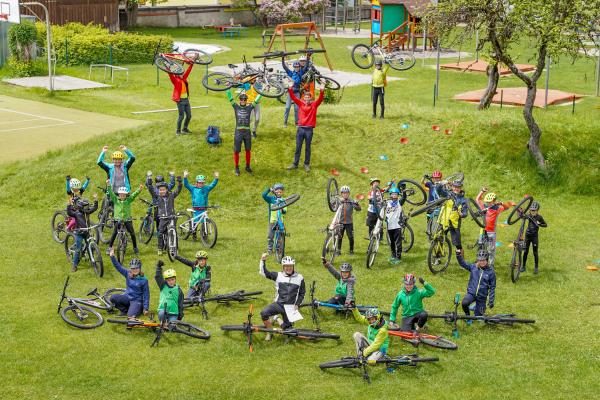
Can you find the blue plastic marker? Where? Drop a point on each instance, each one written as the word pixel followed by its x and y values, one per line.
pixel 405 126
pixel 498 244
pixel 383 157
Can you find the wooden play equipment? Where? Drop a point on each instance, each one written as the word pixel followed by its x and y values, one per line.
pixel 481 67
pixel 515 96
pixel 311 29
pixel 397 23
pixel 342 12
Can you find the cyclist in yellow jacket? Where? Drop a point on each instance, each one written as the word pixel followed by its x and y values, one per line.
pixel 379 81
pixel 453 210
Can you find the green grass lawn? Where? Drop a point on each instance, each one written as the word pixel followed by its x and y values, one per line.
pixel 557 358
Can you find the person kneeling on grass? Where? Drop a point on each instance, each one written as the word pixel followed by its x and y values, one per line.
pixel 201 274
pixel 170 303
pixel 481 286
pixel 289 290
pixel 136 299
pixel 344 290
pixel 122 213
pixel 411 298
pixel 374 345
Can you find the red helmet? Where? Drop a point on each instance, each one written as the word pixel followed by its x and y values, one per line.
pixel 437 174
pixel 409 279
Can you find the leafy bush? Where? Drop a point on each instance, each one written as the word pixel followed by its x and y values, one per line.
pixel 80 44
pixel 290 10
pixel 21 41
pixel 20 69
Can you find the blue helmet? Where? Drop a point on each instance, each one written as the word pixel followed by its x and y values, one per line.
pixel 278 186
pixel 395 190
pixel 295 64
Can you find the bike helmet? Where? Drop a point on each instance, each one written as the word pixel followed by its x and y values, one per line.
pixel 278 186
pixel 201 254
pixel 346 267
pixel 490 197
pixel 296 64
pixel 395 190
pixel 345 189
pixel 373 312
pixel 534 206
pixel 200 178
pixel 159 178
pixel 482 255
pixel 409 279
pixel 287 260
pixel 302 58
pixel 243 96
pixel 161 184
pixel 170 273
pixel 117 155
pixel 81 203
pixel 457 183
pixel 75 183
pixel 378 62
pixel 437 174
pixel 375 180
pixel 135 263
pixel 123 190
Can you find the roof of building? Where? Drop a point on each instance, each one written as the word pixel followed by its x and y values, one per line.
pixel 415 7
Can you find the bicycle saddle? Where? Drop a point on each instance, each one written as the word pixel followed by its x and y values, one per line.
pixel 232 66
pixel 93 292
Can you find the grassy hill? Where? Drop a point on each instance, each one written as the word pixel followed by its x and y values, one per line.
pixel 44 358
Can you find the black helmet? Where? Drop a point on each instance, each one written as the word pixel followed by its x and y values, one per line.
pixel 160 178
pixel 243 96
pixel 482 255
pixel 457 183
pixel 534 206
pixel 135 263
pixel 161 184
pixel 346 267
pixel 82 203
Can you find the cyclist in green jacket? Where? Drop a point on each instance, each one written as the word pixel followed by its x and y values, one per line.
pixel 411 298
pixel 122 212
pixel 344 290
pixel 378 86
pixel 171 295
pixel 375 344
pixel 201 274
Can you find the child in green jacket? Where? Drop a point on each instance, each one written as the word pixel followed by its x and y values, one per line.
pixel 375 344
pixel 122 212
pixel 411 298
pixel 171 295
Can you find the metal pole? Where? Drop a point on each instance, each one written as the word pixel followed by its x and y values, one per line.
pixel 207 74
pixel 157 78
pixel 598 71
pixel 501 98
pixel 547 81
pixel 437 69
pixel 48 42
pixel 434 93
pixel 477 45
pixel 66 51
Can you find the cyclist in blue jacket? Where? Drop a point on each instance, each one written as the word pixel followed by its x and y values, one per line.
pixel 482 283
pixel 117 171
pixel 136 299
pixel 199 193
pixel 277 189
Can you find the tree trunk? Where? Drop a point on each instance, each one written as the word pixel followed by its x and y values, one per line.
pixel 490 91
pixel 535 133
pixel 132 9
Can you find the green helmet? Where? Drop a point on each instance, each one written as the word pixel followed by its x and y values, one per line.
pixel 201 254
pixel 200 178
pixel 372 312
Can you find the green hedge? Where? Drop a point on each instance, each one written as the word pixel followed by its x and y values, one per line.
pixel 78 44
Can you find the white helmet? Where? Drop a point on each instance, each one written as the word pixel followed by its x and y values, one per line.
pixel 287 260
pixel 302 58
pixel 345 189
pixel 75 183
pixel 123 190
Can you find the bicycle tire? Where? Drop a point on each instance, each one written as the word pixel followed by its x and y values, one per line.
pixel 327 82
pixel 279 245
pixel 457 176
pixel 343 363
pixel 439 342
pixel 186 228
pixel 282 98
pixel 190 330
pixel 172 245
pixel 443 256
pixel 272 54
pixel 332 193
pixel 401 61
pixel 69 244
pixel 123 321
pixel 202 57
pixel 146 231
pixel 58 226
pixel 329 246
pixel 121 247
pixel 526 202
pixel 106 221
pixel 510 321
pixel 288 201
pixel 210 234
pixel 414 189
pixel 362 56
pixel 168 66
pixel 427 207
pixel 476 212
pixel 218 81
pixel 312 51
pixel 236 328
pixel 407 242
pixel 372 251
pixel 107 295
pixel 515 263
pixel 300 333
pixel 268 86
pixel 75 310
pixel 97 263
pixel 414 360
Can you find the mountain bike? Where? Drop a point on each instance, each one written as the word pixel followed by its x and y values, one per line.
pixel 364 56
pixel 79 314
pixel 279 228
pixel 146 231
pixel 61 224
pixel 159 327
pixel 333 237
pixel 519 213
pixel 248 329
pixel 122 239
pixel 415 338
pixel 239 296
pixel 88 249
pixel 172 63
pixel 170 239
pixel 105 216
pixel 452 317
pixel 375 237
pixel 390 362
pixel 208 227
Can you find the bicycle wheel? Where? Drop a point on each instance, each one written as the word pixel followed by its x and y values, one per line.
pixel 197 56
pixel 238 328
pixel 362 56
pixel 508 320
pixel 439 254
pixel 414 360
pixel 427 207
pixel 58 223
pixel 172 244
pixel 458 176
pixel 332 194
pixel 515 263
pixel 438 342
pixel 218 81
pixel 476 212
pixel 288 201
pixel 519 210
pixel 330 246
pixel 81 317
pixel 190 330
pixel 70 247
pixel 268 86
pixel 415 194
pixel 106 296
pixel 401 61
pixel 121 246
pixel 372 251
pixel 107 224
pixel 327 82
pixel 347 362
pixel 279 245
pixel 281 98
pixel 408 238
pixel 309 334
pixel 167 65
pixel 96 259
pixel 146 229
pixel 208 233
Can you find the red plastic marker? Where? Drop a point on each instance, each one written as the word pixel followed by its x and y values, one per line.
pixel 360 196
pixel 448 131
pixel 435 128
pixel 334 172
pixel 364 170
pixel 404 140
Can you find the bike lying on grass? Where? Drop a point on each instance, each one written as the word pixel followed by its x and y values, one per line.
pixel 79 314
pixel 248 329
pixel 394 362
pixel 415 338
pixel 452 317
pixel 239 296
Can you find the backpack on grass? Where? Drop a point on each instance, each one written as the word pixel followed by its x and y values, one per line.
pixel 213 136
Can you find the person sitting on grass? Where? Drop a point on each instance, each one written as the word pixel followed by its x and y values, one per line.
pixel 347 224
pixel 166 210
pixel 122 213
pixel 181 96
pixel 136 299
pixel 201 274
pixel 243 112
pixel 199 193
pixel 374 345
pixel 344 290
pixel 80 210
pixel 170 303
pixel 277 189
pixel 411 298
pixel 493 209
pixel 481 286
pixel 289 290
pixel 118 171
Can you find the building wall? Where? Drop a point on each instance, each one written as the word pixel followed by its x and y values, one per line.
pixel 100 12
pixel 192 16
pixel 393 16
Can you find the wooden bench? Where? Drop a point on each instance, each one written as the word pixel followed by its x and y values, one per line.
pixel 231 31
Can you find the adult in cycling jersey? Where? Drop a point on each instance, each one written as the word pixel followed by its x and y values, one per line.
pixel 117 171
pixel 536 221
pixel 243 112
pixel 452 212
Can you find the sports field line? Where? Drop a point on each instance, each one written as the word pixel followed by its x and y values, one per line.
pixel 37 118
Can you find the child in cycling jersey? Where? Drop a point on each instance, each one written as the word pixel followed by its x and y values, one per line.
pixel 80 210
pixel 201 274
pixel 536 221
pixel 75 190
pixel 170 303
pixel 277 198
pixel 166 210
pixel 488 201
pixel 348 206
pixel 344 290
pixel 122 213
pixel 393 218
pixel 199 193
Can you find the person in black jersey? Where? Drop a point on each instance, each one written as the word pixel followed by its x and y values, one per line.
pixel 536 221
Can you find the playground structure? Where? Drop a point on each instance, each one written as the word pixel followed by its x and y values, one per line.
pixel 516 96
pixel 481 66
pixel 398 24
pixel 343 12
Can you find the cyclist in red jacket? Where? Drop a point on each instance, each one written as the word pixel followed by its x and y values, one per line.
pixel 307 119
pixel 181 96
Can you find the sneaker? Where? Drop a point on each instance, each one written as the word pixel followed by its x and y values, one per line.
pixel 381 117
pixel 535 270
pixel 248 169
pixel 268 337
pixel 469 322
pixel 291 167
pixel 186 131
pixel 307 167
pixel 237 171
pixel 136 251
pixel 178 133
pixel 160 253
pixel 523 269
pixel 277 320
pixel 351 252
pixel 285 125
pixel 73 268
pixel 183 132
pixel 254 134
